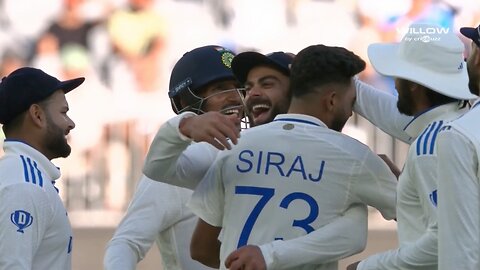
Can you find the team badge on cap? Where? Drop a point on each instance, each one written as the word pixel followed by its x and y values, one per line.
pixel 227 58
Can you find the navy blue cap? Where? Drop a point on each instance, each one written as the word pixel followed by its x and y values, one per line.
pixel 26 86
pixel 472 33
pixel 200 67
pixel 246 61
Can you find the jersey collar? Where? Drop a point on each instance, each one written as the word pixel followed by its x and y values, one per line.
pixel 299 118
pixel 421 120
pixel 16 147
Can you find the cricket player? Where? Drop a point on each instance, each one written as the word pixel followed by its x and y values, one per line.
pixel 431 79
pixel 177 135
pixel 173 159
pixel 201 82
pixel 459 177
pixel 35 232
pixel 291 177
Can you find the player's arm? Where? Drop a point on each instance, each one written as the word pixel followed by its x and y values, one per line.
pixel 172 158
pixel 375 185
pixel 205 246
pixel 417 255
pixel 207 203
pixel 421 253
pixel 380 108
pixel 25 213
pixel 393 167
pixel 458 203
pixel 150 212
pixel 345 236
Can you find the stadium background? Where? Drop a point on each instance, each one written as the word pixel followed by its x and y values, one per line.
pixel 127 54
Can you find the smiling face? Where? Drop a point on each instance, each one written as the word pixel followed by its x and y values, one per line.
pixel 58 126
pixel 224 96
pixel 267 94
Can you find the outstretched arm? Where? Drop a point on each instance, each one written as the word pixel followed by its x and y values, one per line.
pixel 380 108
pixel 174 160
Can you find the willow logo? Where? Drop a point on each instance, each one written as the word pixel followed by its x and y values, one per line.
pixel 423 34
pixel 21 219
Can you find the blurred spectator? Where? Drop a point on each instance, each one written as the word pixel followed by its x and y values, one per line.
pixel 47 55
pixel 25 20
pixel 222 12
pixel 91 168
pixel 10 60
pixel 75 26
pixel 137 33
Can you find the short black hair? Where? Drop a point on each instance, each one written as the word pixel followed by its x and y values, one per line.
pixel 318 65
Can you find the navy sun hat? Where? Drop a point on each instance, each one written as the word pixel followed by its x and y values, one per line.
pixel 26 86
pixel 472 33
pixel 246 61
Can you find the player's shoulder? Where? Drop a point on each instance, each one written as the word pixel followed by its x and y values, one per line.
pixel 347 144
pixel 20 169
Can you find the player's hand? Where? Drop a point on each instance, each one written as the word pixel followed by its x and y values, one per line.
pixel 212 127
pixel 353 266
pixel 246 258
pixel 395 170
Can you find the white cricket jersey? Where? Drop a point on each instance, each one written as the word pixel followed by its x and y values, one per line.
pixel 173 159
pixel 35 232
pixel 417 196
pixel 287 179
pixel 157 213
pixel 459 193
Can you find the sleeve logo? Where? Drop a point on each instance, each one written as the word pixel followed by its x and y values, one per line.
pixel 21 219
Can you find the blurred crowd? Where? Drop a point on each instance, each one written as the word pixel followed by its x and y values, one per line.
pixel 126 49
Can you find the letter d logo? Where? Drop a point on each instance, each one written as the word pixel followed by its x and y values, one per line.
pixel 21 219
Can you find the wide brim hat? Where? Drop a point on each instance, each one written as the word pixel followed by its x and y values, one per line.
pixel 429 55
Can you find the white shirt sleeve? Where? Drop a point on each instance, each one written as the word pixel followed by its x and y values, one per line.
pixel 345 236
pixel 173 159
pixel 380 108
pixel 375 185
pixel 154 207
pixel 207 200
pixel 418 255
pixel 421 253
pixel 458 203
pixel 25 213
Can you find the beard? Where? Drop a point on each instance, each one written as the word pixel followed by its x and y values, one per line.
pixel 339 121
pixel 474 81
pixel 55 141
pixel 405 99
pixel 338 124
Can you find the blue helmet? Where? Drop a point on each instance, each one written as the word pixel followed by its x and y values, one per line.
pixel 195 70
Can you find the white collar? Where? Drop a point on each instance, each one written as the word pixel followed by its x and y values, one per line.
pixel 16 147
pixel 421 120
pixel 300 118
